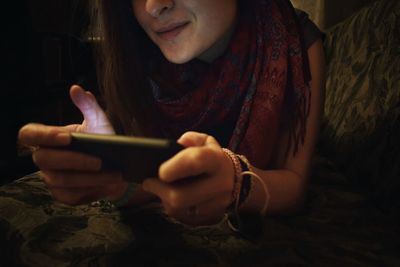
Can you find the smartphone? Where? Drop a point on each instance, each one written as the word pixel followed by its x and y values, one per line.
pixel 137 157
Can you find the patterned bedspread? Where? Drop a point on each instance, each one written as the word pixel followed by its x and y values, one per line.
pixel 337 228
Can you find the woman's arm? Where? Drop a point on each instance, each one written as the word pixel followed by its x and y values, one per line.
pixel 205 200
pixel 287 184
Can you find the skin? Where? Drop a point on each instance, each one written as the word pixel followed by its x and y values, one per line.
pixel 201 37
pixel 75 178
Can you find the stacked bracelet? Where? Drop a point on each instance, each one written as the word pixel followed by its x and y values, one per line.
pixel 237 177
pixel 266 191
pixel 242 188
pixel 251 174
pixel 246 180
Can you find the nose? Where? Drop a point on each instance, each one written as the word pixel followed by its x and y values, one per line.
pixel 158 7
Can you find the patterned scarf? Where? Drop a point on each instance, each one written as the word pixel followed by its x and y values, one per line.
pixel 259 83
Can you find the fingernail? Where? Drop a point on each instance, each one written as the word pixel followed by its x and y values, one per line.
pixel 89 94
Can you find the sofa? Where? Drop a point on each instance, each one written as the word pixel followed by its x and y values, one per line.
pixel 352 211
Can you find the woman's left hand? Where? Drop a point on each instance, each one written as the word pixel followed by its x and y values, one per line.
pixel 195 186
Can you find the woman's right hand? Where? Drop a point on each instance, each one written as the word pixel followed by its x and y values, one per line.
pixel 72 177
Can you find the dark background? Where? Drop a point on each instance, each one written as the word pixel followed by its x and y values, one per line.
pixel 44 52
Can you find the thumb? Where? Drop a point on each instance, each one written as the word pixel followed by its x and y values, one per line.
pixel 95 119
pixel 192 138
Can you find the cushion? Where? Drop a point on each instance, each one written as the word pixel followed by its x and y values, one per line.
pixel 361 128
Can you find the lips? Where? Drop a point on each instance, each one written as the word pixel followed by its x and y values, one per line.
pixel 170 31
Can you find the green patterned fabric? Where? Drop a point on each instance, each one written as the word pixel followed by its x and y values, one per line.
pixel 338 227
pixel 362 110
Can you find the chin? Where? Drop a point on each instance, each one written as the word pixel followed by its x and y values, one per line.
pixel 178 57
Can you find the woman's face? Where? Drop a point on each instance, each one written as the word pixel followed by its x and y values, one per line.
pixel 185 29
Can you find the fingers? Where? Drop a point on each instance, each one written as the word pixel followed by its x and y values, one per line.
pixel 203 155
pixel 79 187
pixel 205 213
pixel 75 196
pixel 192 192
pixel 81 195
pixel 191 161
pixel 56 159
pixel 200 178
pixel 204 159
pixel 75 180
pixel 42 135
pixel 84 100
pixel 197 139
pixel 94 116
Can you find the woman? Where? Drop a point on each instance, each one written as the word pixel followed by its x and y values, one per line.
pixel 211 74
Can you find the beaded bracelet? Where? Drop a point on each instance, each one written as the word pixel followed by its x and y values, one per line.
pixel 237 177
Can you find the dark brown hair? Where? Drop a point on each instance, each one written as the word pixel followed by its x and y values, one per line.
pixel 120 54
